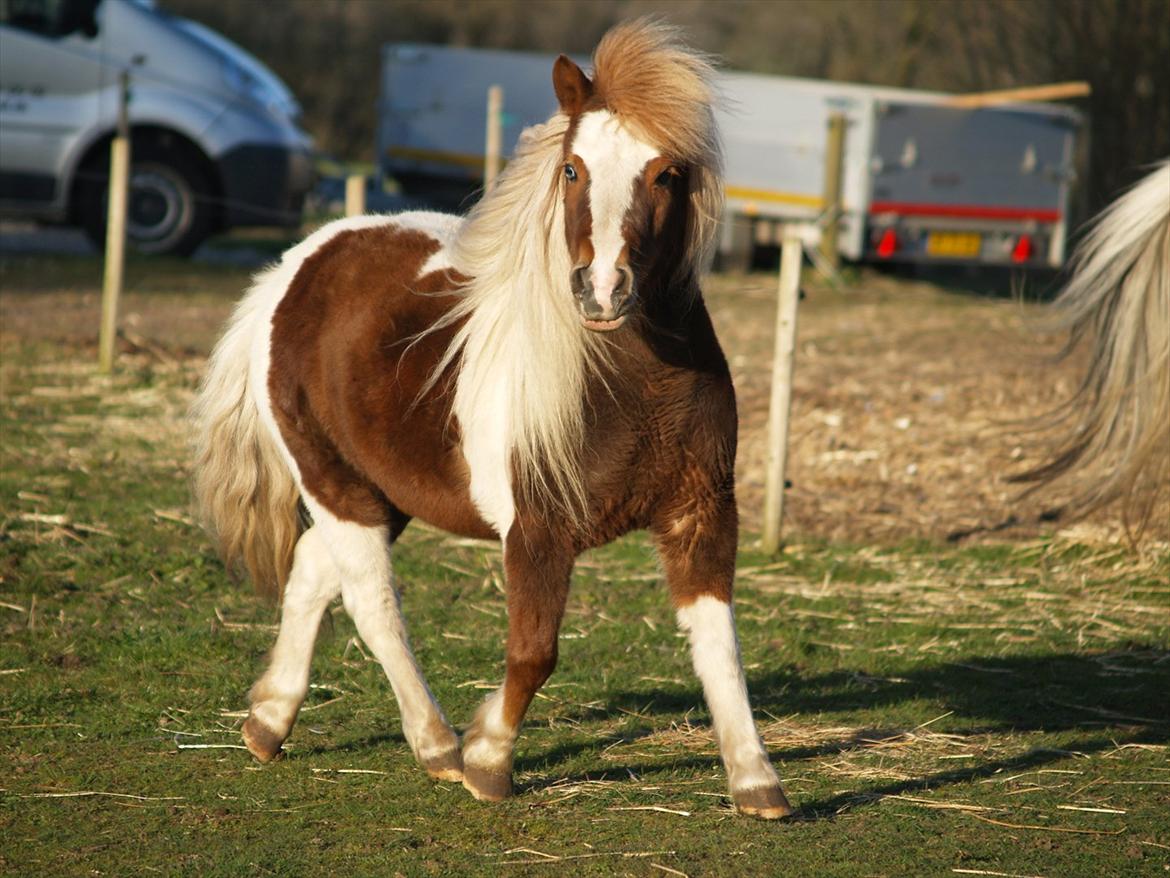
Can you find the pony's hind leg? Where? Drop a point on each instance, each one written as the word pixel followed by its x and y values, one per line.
pixel 362 557
pixel 278 694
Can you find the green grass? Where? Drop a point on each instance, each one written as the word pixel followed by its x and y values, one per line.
pixel 930 707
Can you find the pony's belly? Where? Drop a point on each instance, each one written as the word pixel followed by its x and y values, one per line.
pixel 434 492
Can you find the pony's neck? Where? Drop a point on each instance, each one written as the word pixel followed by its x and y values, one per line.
pixel 676 329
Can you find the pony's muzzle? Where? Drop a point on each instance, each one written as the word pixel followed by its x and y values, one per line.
pixel 604 298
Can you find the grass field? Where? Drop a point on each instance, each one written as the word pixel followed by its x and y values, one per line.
pixel 934 707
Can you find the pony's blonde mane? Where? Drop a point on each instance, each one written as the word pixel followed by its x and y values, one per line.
pixel 523 353
pixel 521 345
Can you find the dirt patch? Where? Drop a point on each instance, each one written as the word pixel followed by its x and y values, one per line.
pixel 909 414
pixel 182 326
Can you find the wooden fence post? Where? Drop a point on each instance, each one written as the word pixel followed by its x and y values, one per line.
pixel 834 172
pixel 115 230
pixel 494 140
pixel 355 195
pixel 781 399
pixel 1057 91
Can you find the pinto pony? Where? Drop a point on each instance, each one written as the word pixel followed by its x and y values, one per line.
pixel 543 372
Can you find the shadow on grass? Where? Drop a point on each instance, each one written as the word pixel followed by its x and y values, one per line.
pixel 1107 700
pixel 359 745
pixel 1042 693
pixel 1113 698
pixel 827 808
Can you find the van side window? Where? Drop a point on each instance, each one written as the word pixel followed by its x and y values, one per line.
pixel 51 18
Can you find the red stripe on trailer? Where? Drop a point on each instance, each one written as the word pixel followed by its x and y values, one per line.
pixel 967 211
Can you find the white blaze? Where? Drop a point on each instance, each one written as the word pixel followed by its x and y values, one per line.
pixel 614 158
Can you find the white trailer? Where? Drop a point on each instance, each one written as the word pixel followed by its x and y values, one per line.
pixel 922 181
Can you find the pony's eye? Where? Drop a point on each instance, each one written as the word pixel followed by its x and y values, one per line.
pixel 570 173
pixel 664 179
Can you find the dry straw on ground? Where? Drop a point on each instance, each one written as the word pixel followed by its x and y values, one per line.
pixel 910 410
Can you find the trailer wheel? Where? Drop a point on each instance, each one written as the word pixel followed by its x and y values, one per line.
pixel 168 211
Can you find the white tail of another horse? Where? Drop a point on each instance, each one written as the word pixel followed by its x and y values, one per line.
pixel 1115 430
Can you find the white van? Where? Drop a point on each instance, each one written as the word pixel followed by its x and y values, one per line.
pixel 214 133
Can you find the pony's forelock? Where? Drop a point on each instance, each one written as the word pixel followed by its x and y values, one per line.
pixel 663 91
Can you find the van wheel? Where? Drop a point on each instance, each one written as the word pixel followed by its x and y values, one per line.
pixel 168 211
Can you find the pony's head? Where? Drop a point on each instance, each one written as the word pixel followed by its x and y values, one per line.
pixel 639 176
pixel 638 212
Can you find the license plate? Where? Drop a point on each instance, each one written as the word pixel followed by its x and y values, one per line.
pixel 954 245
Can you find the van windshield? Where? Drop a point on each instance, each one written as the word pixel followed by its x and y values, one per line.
pixel 51 18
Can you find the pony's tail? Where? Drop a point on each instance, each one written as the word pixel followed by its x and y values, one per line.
pixel 1116 427
pixel 244 492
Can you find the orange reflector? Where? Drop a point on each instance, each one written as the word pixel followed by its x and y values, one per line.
pixel 888 244
pixel 1022 252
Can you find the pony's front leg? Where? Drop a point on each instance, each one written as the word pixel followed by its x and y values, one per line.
pixel 698 554
pixel 538 575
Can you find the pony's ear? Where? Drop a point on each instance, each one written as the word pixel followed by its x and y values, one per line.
pixel 572 86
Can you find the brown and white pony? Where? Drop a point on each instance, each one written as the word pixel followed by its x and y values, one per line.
pixel 543 372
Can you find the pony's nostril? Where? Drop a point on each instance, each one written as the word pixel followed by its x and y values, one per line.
pixel 579 280
pixel 624 285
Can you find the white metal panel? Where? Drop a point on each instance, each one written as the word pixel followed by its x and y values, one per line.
pixel 774 127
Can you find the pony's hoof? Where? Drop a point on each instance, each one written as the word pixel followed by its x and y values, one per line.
pixel 767 803
pixel 446 766
pixel 485 785
pixel 262 742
